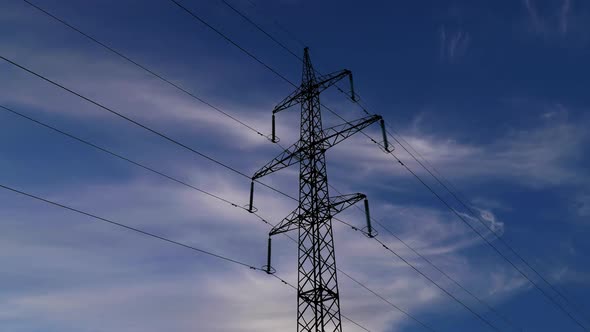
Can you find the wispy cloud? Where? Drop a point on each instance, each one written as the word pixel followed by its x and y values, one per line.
pixel 453 43
pixel 94 275
pixel 120 277
pixel 564 15
pixel 130 92
pixel 541 156
pixel 534 15
pixel 553 21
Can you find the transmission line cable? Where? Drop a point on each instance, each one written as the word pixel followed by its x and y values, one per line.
pixel 440 270
pixel 144 68
pixel 283 28
pixel 142 125
pixel 197 17
pixel 250 54
pixel 405 261
pixel 274 39
pixel 116 155
pixel 481 318
pixel 139 124
pixel 479 219
pixel 548 296
pixel 148 128
pixel 364 109
pixel 356 280
pixel 134 229
pixel 233 204
pixel 150 71
pixel 259 28
pixel 208 25
pixel 283 46
pixel 456 195
pixel 155 236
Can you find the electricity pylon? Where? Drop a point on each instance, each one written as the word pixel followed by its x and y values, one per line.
pixel 318 300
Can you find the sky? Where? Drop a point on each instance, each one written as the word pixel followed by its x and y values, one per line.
pixel 492 94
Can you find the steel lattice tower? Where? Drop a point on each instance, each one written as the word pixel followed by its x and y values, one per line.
pixel 318 301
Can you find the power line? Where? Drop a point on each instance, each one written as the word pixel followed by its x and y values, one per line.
pixel 259 28
pixel 481 318
pixel 478 218
pixel 490 244
pixel 275 40
pixel 233 204
pixel 136 123
pixel 251 55
pixel 456 196
pixel 118 53
pixel 116 155
pixel 364 109
pixel 197 17
pixel 274 275
pixel 154 236
pixel 143 67
pixel 386 301
pixel 284 29
pixel 140 125
pixel 481 301
pixel 405 261
pixel 281 45
pixel 148 128
pixel 225 37
pixel 124 117
pixel 137 230
pixel 391 304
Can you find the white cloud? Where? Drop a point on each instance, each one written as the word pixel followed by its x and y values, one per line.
pixel 557 21
pixel 127 91
pixel 117 280
pixel 453 43
pixel 564 15
pixel 539 157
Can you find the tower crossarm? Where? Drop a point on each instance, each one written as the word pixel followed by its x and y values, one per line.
pixel 342 202
pixel 289 223
pixel 291 100
pixel 290 156
pixel 337 134
pixel 295 218
pixel 328 80
pixel 323 83
pixel 332 136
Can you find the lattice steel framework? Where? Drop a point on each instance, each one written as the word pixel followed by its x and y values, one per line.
pixel 318 300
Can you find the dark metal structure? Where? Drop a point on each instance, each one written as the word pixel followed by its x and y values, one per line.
pixel 318 300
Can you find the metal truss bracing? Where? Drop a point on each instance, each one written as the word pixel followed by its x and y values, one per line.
pixel 318 300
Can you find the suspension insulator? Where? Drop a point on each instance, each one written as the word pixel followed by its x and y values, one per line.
pixel 250 206
pixel 268 261
pixel 274 135
pixel 368 215
pixel 385 142
pixel 352 94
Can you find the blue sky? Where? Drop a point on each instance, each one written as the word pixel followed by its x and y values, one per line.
pixel 492 94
